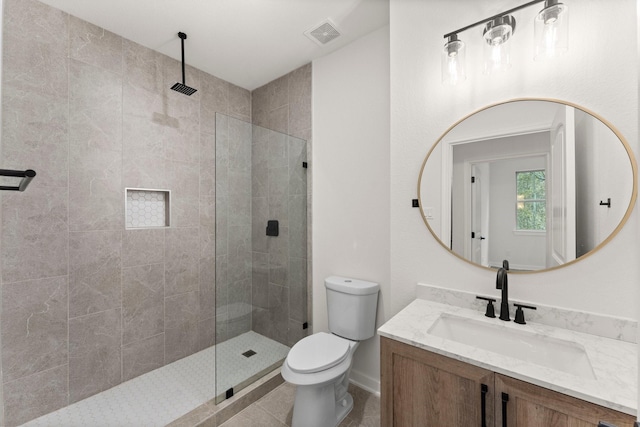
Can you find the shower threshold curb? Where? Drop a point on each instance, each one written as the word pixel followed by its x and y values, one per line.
pixel 211 415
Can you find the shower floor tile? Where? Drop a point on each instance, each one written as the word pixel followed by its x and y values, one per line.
pixel 167 393
pixel 234 366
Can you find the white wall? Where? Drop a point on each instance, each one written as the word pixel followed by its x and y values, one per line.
pixel 2 422
pixel 596 73
pixel 351 179
pixel 637 217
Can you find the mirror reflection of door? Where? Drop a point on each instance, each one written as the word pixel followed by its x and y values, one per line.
pixel 562 183
pixel 508 204
pixel 490 205
pixel 480 213
pixel 598 178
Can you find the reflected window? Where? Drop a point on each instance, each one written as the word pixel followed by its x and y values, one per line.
pixel 531 200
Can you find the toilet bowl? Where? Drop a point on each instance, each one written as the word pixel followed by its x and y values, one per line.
pixel 319 365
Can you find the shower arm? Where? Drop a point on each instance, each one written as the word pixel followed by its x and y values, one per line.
pixel 182 87
pixel 182 36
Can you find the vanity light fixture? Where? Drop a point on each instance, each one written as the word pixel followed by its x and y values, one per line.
pixel 496 50
pixel 453 60
pixel 550 32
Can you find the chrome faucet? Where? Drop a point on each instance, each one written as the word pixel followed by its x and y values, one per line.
pixel 503 283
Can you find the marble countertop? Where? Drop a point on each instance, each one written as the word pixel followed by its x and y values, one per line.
pixel 614 362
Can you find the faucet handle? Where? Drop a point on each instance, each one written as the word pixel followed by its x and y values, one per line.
pixel 491 312
pixel 520 313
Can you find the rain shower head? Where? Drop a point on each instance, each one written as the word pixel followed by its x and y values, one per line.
pixel 182 87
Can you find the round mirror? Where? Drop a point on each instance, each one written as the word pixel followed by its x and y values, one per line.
pixel 541 183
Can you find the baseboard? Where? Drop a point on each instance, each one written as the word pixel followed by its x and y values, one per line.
pixel 365 382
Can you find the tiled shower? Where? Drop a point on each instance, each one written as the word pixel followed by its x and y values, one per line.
pixel 86 302
pixel 261 278
pixel 261 235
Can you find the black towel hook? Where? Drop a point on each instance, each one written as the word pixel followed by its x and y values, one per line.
pixel 607 204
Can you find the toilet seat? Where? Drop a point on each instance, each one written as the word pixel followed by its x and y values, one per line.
pixel 317 352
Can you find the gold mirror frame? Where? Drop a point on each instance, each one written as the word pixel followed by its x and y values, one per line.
pixel 632 202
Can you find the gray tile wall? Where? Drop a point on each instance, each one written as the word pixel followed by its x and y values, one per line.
pixel 279 269
pixel 85 303
pixel 281 188
pixel 233 227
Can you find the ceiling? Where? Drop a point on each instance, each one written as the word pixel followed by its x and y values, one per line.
pixel 246 42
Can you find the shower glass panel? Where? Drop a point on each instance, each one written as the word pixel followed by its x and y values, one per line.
pixel 261 251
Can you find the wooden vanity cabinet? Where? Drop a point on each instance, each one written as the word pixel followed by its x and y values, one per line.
pixel 422 388
pixel 533 406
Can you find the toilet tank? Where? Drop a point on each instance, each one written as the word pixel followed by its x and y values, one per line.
pixel 352 306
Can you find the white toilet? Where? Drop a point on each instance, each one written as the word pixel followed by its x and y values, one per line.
pixel 319 364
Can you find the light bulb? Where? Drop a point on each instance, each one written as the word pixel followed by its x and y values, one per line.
pixel 453 58
pixel 551 31
pixel 496 33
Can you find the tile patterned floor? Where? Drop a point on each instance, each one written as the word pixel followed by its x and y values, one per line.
pixel 165 394
pixel 276 409
pixel 233 368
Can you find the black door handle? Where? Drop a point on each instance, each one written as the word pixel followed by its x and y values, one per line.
pixel 483 409
pixel 505 400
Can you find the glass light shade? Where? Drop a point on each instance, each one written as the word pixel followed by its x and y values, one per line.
pixel 453 61
pixel 496 58
pixel 551 31
pixel 496 50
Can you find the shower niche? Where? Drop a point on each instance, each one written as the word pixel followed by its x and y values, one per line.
pixel 147 208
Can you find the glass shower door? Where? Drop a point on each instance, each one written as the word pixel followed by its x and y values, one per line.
pixel 261 251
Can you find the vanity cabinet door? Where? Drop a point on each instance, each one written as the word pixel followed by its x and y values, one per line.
pixel 528 405
pixel 421 388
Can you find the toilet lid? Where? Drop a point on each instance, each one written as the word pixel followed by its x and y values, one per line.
pixel 317 352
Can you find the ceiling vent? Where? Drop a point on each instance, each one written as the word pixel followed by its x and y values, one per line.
pixel 323 33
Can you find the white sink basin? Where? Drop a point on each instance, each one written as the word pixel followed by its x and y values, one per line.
pixel 565 356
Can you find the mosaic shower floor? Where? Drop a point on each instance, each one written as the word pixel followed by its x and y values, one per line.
pixel 167 393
